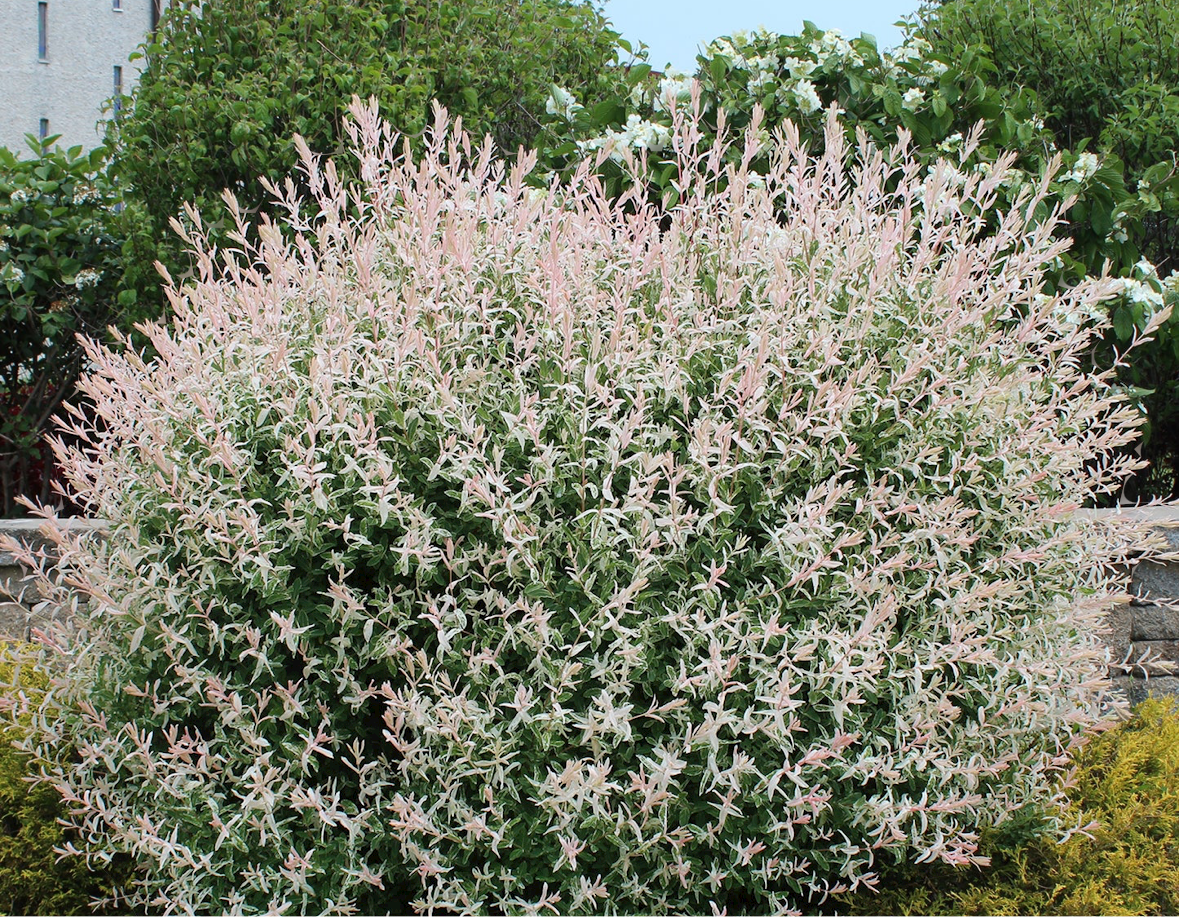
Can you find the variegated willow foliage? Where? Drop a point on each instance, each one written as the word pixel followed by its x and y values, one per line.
pixel 486 549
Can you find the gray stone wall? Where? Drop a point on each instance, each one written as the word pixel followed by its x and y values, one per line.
pixel 21 606
pixel 1143 637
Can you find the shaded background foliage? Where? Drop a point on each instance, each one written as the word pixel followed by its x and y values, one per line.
pixel 60 250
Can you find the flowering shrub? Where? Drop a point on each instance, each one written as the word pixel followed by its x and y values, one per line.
pixel 494 549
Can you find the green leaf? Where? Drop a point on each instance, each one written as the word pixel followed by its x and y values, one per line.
pixel 1123 323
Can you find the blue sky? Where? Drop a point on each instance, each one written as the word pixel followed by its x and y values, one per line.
pixel 673 28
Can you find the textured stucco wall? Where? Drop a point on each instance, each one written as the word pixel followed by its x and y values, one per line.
pixel 86 40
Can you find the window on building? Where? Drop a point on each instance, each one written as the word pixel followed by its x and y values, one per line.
pixel 43 30
pixel 117 5
pixel 43 128
pixel 118 89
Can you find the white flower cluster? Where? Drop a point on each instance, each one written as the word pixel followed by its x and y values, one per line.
pixel 1146 289
pixel 913 49
pixel 725 49
pixel 951 143
pixel 562 102
pixel 1118 232
pixel 832 48
pixel 911 59
pixel 1083 169
pixel 19 196
pixel 87 277
pixel 675 88
pixel 766 70
pixel 639 134
pixel 806 96
pixel 913 99
pixel 800 69
pixel 11 274
pixel 1073 314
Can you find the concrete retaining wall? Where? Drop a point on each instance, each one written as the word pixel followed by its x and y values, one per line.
pixel 1144 635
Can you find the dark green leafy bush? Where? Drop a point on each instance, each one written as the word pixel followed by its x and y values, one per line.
pixel 229 83
pixel 1106 73
pixel 59 275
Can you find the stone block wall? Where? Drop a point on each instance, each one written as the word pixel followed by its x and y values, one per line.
pixel 21 608
pixel 1145 634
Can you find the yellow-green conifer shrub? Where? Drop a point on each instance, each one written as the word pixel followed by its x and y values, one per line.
pixel 1125 796
pixel 34 879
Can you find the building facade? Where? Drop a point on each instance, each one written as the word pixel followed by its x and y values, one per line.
pixel 62 61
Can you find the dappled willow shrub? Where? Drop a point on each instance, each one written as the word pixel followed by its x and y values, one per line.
pixel 487 549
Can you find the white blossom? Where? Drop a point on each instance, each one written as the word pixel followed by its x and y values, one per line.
pixel 675 87
pixel 800 69
pixel 807 97
pixel 562 102
pixel 1083 169
pixel 87 277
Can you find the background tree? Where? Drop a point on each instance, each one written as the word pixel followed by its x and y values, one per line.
pixel 1106 73
pixel 59 269
pixel 229 83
